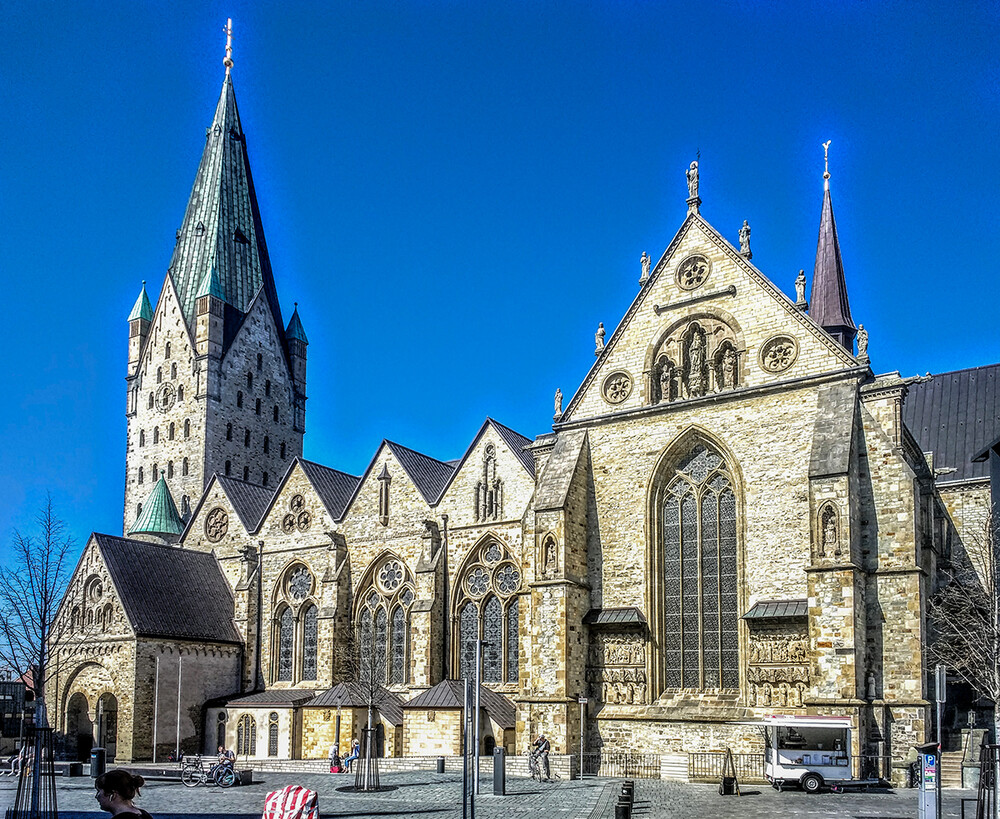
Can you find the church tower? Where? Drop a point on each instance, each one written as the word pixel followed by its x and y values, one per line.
pixel 215 381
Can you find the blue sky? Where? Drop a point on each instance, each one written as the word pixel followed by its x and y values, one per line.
pixel 456 193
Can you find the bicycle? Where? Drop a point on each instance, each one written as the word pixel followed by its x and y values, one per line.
pixel 535 767
pixel 194 773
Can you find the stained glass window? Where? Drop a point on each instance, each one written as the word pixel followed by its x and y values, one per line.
pixel 272 738
pixel 246 736
pixel 513 644
pixel 397 667
pixel 700 606
pixel 365 644
pixel 492 640
pixel 310 629
pixel 286 627
pixel 299 583
pixel 468 633
pixel 380 638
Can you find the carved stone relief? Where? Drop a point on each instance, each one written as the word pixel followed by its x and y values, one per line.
pixel 489 489
pixel 616 673
pixel 697 358
pixel 617 387
pixel 778 671
pixel 216 524
pixel 693 272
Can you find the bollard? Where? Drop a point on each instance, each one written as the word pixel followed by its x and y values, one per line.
pixel 622 811
pixel 440 764
pixel 499 772
pixel 98 761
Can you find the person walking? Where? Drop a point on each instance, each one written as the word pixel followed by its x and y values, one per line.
pixel 542 747
pixel 115 791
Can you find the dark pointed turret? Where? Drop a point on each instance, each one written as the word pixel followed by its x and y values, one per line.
pixel 828 303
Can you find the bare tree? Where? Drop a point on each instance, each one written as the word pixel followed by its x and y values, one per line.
pixel 36 570
pixel 965 614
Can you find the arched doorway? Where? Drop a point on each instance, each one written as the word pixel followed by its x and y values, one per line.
pixel 107 724
pixel 79 728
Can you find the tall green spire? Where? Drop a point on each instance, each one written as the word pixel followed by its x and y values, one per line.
pixel 159 513
pixel 142 308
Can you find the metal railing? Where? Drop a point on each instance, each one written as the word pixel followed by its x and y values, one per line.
pixel 622 764
pixel 708 766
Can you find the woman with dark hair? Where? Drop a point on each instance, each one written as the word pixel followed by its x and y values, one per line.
pixel 115 791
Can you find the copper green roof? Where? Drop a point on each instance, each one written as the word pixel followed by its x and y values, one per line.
pixel 211 286
pixel 159 513
pixel 142 308
pixel 222 235
pixel 294 329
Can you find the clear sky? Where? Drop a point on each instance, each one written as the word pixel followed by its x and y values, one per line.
pixel 456 193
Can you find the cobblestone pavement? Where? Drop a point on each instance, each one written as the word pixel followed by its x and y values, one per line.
pixel 425 795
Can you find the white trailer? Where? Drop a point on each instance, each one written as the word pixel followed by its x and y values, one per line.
pixel 809 752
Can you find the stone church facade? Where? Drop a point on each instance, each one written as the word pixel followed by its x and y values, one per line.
pixel 731 518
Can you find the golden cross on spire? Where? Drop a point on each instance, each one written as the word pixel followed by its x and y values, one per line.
pixel 228 62
pixel 826 164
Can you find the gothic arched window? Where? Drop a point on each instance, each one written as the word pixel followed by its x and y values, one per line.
pixel 142 437
pixel 246 736
pixel 173 370
pixel 384 623
pixel 184 467
pixel 700 618
pixel 272 734
pixel 156 435
pixel 180 392
pixel 167 351
pixel 310 634
pixel 171 431
pixel 296 626
pixel 487 610
pixel 187 427
pixel 286 638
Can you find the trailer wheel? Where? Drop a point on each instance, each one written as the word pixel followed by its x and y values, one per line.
pixel 811 782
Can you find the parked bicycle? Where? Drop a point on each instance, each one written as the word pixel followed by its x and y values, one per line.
pixel 194 772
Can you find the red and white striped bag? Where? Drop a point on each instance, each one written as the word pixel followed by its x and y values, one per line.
pixel 293 802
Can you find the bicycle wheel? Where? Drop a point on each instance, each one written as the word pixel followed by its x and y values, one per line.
pixel 225 777
pixel 192 776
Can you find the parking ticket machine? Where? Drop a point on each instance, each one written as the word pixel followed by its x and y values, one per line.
pixel 927 781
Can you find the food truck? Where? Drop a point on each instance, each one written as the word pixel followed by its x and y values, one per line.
pixel 810 752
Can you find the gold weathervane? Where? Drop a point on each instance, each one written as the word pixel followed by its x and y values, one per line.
pixel 826 164
pixel 228 62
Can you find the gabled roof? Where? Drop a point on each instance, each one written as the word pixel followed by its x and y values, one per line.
pixel 515 440
pixel 277 698
pixel 335 488
pixel 248 499
pixel 428 474
pixel 220 246
pixel 352 695
pixel 169 592
pixel 450 694
pixel 955 415
pixel 828 304
pixel 142 309
pixel 159 514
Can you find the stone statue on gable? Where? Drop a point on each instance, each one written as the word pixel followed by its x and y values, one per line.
pixel 800 288
pixel 745 239
pixel 558 403
pixel 599 338
pixel 644 261
pixel 862 342
pixel 692 180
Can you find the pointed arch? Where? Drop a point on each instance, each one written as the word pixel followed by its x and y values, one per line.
pixel 382 608
pixel 694 542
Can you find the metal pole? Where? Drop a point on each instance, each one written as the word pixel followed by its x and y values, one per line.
pixel 939 680
pixel 156 704
pixel 465 751
pixel 180 669
pixel 583 710
pixel 476 729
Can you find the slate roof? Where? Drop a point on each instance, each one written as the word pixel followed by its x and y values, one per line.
pixel 778 610
pixel 220 245
pixel 248 499
pixel 833 430
pixel 159 514
pixel 278 698
pixel 450 694
pixel 955 415
pixel 557 476
pixel 142 309
pixel 626 616
pixel 428 474
pixel 170 592
pixel 828 305
pixel 517 442
pixel 335 488
pixel 351 695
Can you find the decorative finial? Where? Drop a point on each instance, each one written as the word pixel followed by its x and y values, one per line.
pixel 693 200
pixel 826 164
pixel 143 282
pixel 228 62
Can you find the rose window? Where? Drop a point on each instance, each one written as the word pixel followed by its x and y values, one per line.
pixel 778 354
pixel 288 523
pixel 304 520
pixel 299 583
pixel 96 590
pixel 692 272
pixel 492 553
pixel 297 503
pixel 617 387
pixel 477 582
pixel 216 524
pixel 390 576
pixel 507 579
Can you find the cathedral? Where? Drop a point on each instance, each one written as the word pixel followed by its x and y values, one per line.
pixel 732 517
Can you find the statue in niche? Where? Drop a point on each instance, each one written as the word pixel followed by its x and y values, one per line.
pixel 862 342
pixel 829 537
pixel 692 180
pixel 870 693
pixel 696 364
pixel 800 288
pixel 549 558
pixel 729 369
pixel 599 338
pixel 644 261
pixel 666 378
pixel 745 239
pixel 558 403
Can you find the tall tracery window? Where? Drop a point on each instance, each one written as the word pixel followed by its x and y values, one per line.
pixel 383 620
pixel 700 602
pixel 246 736
pixel 296 626
pixel 487 610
